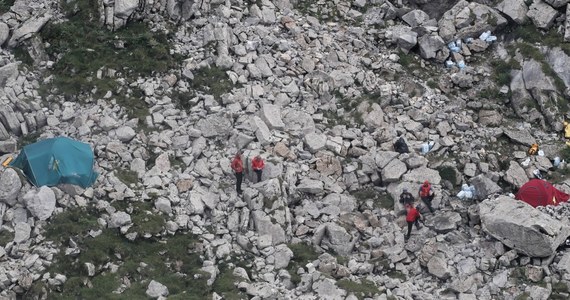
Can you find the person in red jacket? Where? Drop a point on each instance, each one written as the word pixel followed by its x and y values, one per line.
pixel 426 194
pixel 257 164
pixel 412 217
pixel 237 166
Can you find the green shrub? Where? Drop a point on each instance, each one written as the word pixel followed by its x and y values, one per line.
pixel 225 285
pixel 28 139
pixel 171 261
pixel 81 47
pixel 72 222
pixel 379 200
pixel 432 84
pixel 364 289
pixel 213 81
pixel 128 177
pixel 5 5
pixel 5 237
pixel 448 173
pixel 302 254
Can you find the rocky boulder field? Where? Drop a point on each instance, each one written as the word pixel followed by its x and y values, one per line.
pixel 167 91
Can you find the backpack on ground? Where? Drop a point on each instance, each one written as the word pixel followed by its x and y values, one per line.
pixel 533 149
pixel 400 146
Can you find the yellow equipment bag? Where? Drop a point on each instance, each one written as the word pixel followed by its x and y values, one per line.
pixel 533 149
pixel 566 130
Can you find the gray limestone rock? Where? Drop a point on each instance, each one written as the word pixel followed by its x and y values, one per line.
pixel 521 227
pixel 271 115
pixel 264 225
pixel 429 45
pixel 542 14
pixel 516 175
pixel 22 232
pixel 27 29
pixel 437 266
pixel 521 136
pixel 315 141
pixel 119 219
pixel 4 33
pixel 310 186
pixel 217 125
pixel 41 202
pixel 10 185
pixel 515 9
pixel 156 289
pixel 393 171
pixel 484 186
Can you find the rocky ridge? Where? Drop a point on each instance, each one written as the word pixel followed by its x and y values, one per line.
pixel 323 98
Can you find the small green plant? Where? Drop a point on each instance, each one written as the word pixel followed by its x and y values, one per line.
pixel 172 261
pixel 5 237
pixel 128 177
pixel 364 289
pixel 380 200
pixel 145 220
pixel 448 173
pixel 432 84
pixel 73 222
pixel 213 81
pixel 490 93
pixel 225 284
pixel 397 274
pixel 28 139
pixel 523 296
pixel 407 60
pixel 302 254
pixel 5 5
pixel 22 54
pixel 502 71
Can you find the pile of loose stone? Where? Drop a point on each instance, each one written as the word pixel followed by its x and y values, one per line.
pixel 294 74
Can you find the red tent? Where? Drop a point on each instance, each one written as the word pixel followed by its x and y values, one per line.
pixel 538 192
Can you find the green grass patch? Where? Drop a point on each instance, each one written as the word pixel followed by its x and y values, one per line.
pixel 559 291
pixel 448 173
pixel 302 254
pixel 6 237
pixel 225 284
pixel 171 261
pixel 491 93
pixel 379 200
pixel 432 84
pixel 145 220
pixel 523 296
pixel 28 139
pixel 22 54
pixel 397 275
pixel 143 216
pixel 502 70
pixel 73 222
pixel 364 289
pixel 213 81
pixel 408 60
pixel 128 177
pixel 81 48
pixel 5 5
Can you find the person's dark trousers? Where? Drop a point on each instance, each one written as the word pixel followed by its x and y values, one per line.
pixel 427 201
pixel 258 172
pixel 239 178
pixel 410 224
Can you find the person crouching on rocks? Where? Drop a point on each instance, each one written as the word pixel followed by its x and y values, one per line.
pixel 237 166
pixel 412 217
pixel 257 165
pixel 426 194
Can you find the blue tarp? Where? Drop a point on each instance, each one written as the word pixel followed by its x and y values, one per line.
pixel 57 160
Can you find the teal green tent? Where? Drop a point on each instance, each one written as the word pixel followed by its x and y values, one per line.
pixel 57 160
